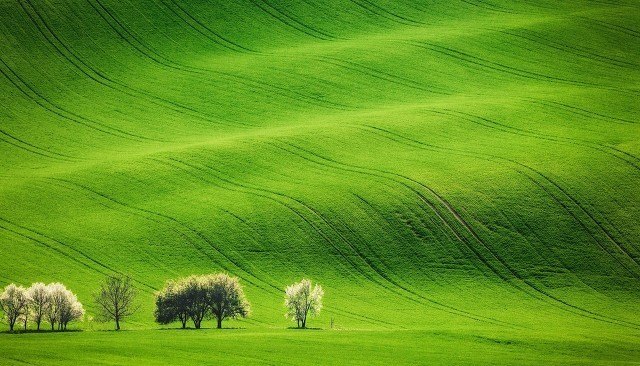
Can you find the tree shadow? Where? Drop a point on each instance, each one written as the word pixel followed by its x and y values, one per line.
pixel 203 328
pixel 41 331
pixel 310 329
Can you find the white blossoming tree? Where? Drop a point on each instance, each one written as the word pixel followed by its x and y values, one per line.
pixel 301 301
pixel 14 302
pixel 63 308
pixel 39 302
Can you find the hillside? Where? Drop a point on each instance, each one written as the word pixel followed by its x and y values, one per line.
pixel 467 167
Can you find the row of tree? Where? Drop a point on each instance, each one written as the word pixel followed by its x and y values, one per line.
pixel 196 298
pixel 52 303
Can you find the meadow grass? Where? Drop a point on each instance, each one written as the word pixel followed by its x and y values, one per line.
pixel 444 169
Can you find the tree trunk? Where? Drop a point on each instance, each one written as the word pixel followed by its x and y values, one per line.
pixel 11 326
pixel 219 322
pixel 117 324
pixel 53 326
pixel 38 324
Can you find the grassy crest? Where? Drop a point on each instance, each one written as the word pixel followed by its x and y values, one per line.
pixel 467 172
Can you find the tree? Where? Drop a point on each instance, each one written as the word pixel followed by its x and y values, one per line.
pixel 63 308
pixel 56 299
pixel 225 297
pixel 302 301
pixel 195 297
pixel 14 303
pixel 172 304
pixel 116 299
pixel 70 311
pixel 39 302
pixel 201 297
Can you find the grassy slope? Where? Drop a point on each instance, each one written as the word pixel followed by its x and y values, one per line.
pixel 464 166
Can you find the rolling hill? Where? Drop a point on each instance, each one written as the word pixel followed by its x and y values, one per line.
pixel 456 174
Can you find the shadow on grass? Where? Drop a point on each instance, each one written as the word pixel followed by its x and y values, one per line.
pixel 42 331
pixel 113 330
pixel 203 328
pixel 301 329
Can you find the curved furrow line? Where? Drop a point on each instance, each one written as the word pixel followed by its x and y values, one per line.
pixel 498 159
pixel 277 290
pixel 284 19
pixel 550 254
pixel 243 189
pixel 538 293
pixel 38 150
pixel 218 38
pixel 99 77
pixel 591 216
pixel 155 56
pixel 425 224
pixel 146 51
pixel 124 33
pixel 382 273
pixel 257 192
pixel 483 318
pixel 187 168
pixel 147 214
pixel 369 71
pixel 614 27
pixel 393 177
pixel 286 92
pixel 580 111
pixel 268 194
pixel 40 238
pixel 279 10
pixel 488 6
pixel 111 205
pixel 33 95
pixel 563 47
pixel 586 229
pixel 384 13
pixel 556 300
pixel 31 150
pixel 485 122
pixel 187 230
pixel 617 245
pixel 496 66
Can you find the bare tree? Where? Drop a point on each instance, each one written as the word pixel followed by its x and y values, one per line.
pixel 14 303
pixel 301 301
pixel 116 299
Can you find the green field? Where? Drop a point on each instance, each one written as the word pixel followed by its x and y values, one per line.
pixel 462 177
